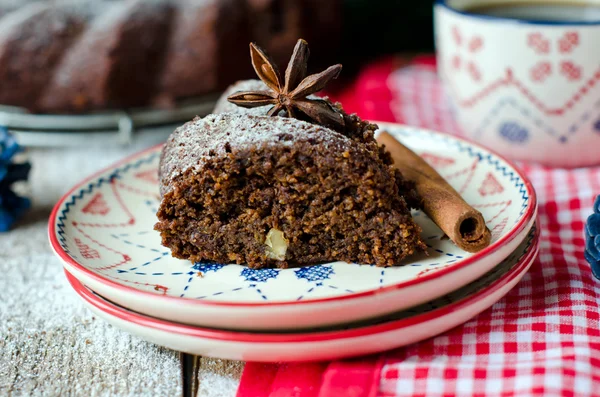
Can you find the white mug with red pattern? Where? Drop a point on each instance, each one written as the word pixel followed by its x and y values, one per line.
pixel 529 89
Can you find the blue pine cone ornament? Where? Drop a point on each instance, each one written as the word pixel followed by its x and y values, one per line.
pixel 592 239
pixel 12 206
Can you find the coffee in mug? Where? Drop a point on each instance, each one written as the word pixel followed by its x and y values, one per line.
pixel 571 11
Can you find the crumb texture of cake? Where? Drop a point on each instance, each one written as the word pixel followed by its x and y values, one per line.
pixel 277 192
pixel 355 128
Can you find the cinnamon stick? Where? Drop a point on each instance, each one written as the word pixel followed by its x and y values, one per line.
pixel 463 224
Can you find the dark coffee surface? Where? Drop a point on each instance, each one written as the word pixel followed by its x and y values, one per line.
pixel 552 11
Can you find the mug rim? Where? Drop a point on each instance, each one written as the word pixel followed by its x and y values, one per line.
pixel 444 4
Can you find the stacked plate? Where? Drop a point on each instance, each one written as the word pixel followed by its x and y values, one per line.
pixel 103 231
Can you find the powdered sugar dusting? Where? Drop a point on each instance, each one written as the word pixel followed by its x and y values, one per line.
pixel 16 18
pixel 192 144
pixel 39 25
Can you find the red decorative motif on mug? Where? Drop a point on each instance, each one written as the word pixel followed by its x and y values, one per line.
pixel 509 80
pixel 456 62
pixel 474 71
pixel 456 35
pixel 474 45
pixel 568 42
pixel 538 42
pixel 571 71
pixel 543 69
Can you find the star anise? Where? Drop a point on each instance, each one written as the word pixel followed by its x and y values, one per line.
pixel 293 96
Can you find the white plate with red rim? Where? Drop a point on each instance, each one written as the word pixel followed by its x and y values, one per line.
pixel 103 231
pixel 367 337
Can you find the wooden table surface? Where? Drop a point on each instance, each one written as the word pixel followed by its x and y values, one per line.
pixel 50 344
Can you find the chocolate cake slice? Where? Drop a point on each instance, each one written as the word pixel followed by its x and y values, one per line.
pixel 283 179
pixel 276 191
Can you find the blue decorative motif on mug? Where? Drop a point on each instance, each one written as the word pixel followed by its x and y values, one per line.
pixel 259 275
pixel 597 125
pixel 513 132
pixel 314 273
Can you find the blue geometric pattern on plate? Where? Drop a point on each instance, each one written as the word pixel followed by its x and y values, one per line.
pixel 208 267
pixel 259 275
pixel 314 273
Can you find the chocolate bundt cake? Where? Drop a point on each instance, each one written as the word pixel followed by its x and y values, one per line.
pixel 276 191
pixel 73 56
pixel 114 60
pixel 32 41
pixel 278 24
pixel 202 53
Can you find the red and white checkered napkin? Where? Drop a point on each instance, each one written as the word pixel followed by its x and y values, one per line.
pixel 543 338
